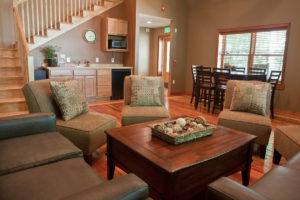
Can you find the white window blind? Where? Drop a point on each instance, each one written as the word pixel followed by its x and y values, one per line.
pixel 246 49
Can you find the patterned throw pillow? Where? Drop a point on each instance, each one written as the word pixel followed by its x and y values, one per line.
pixel 249 97
pixel 145 91
pixel 69 98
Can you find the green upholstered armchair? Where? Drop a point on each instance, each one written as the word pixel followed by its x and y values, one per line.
pixel 258 125
pixel 139 114
pixel 85 131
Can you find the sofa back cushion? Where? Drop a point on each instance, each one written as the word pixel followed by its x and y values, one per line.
pixel 231 84
pixel 39 97
pixel 128 90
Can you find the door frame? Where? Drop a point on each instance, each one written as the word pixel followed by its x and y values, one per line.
pixel 161 37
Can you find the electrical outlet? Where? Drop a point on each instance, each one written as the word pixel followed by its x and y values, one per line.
pixel 68 59
pixel 112 60
pixel 173 82
pixel 97 60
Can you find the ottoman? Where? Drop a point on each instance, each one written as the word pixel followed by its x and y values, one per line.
pixel 286 142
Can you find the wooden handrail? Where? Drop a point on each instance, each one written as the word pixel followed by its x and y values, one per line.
pixel 20 29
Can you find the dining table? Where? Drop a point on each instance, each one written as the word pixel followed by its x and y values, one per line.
pixel 249 77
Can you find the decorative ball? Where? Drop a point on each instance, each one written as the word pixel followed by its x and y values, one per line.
pixel 169 125
pixel 169 130
pixel 200 120
pixel 188 121
pixel 193 124
pixel 190 129
pixel 177 129
pixel 159 128
pixel 181 122
pixel 200 126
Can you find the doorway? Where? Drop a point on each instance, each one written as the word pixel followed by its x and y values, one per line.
pixel 164 49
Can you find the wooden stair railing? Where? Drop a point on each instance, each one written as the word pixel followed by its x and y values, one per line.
pixel 25 58
pixel 37 16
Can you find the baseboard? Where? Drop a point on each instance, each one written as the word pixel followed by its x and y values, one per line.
pixel 180 94
pixel 287 115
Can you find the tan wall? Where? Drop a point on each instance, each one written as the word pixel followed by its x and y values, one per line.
pixel 177 10
pixel 144 52
pixel 73 45
pixel 207 16
pixel 6 23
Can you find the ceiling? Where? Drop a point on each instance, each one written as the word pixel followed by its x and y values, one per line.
pixel 155 21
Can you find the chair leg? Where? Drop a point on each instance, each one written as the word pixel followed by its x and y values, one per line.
pixel 262 151
pixel 193 93
pixel 209 99
pixel 197 96
pixel 272 105
pixel 276 157
pixel 222 100
pixel 88 159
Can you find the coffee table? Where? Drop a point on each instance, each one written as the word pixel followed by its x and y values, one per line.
pixel 178 171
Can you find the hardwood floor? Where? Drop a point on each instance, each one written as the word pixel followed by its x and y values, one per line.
pixel 180 106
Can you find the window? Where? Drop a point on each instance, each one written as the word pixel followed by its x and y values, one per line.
pixel 253 47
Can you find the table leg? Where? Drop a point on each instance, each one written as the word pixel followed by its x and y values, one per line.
pixel 246 175
pixel 246 171
pixel 110 164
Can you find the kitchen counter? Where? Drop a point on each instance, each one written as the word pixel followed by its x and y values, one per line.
pixel 93 66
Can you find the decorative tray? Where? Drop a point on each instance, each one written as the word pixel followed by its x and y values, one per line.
pixel 182 130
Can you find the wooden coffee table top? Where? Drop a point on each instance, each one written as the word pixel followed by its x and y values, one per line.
pixel 175 157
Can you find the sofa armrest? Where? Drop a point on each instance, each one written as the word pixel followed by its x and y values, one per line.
pixel 29 124
pixel 125 188
pixel 226 189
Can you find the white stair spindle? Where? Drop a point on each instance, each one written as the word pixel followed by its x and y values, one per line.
pixel 71 8
pixel 54 14
pixel 42 32
pixel 46 25
pixel 50 14
pixel 59 11
pixel 28 24
pixel 37 17
pixel 23 17
pixel 34 31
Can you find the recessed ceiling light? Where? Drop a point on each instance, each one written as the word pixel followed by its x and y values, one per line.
pixel 149 22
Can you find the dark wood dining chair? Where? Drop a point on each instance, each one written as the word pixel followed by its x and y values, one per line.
pixel 204 86
pixel 194 74
pixel 239 70
pixel 256 71
pixel 221 76
pixel 273 80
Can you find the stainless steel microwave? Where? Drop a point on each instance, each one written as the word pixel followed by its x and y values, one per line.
pixel 117 44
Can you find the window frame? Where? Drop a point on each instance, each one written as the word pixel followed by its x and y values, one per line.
pixel 255 29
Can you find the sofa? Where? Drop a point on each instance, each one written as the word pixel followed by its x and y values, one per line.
pixel 280 183
pixel 36 163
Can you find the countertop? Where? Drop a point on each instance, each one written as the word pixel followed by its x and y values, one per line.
pixel 93 66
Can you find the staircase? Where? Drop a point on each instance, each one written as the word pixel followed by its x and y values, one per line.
pixel 12 79
pixel 44 20
pixel 37 22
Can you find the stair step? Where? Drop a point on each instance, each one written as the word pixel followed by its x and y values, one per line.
pixel 12 100
pixel 5 61
pixel 10 71
pixel 12 80
pixel 7 48
pixel 13 113
pixel 11 92
pixel 8 57
pixel 12 105
pixel 7 52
